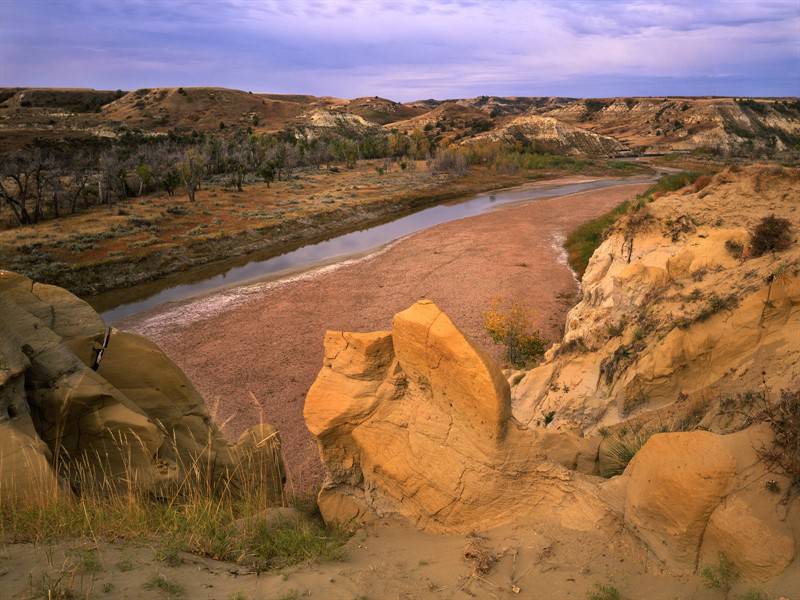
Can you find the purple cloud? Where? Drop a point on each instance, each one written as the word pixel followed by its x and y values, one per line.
pixel 408 50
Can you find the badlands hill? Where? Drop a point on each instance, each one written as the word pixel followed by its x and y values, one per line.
pixel 614 125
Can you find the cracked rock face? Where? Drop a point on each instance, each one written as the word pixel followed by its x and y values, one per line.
pixel 418 422
pixel 136 416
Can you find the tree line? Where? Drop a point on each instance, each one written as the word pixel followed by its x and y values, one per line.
pixel 47 182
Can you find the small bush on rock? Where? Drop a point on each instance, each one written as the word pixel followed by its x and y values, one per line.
pixel 721 576
pixel 734 248
pixel 772 234
pixel 511 326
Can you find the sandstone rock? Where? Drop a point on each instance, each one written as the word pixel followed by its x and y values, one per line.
pixel 676 482
pixel 26 475
pixel 423 430
pixel 760 545
pixel 669 310
pixel 137 418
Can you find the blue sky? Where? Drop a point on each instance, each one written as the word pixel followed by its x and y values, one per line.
pixel 408 50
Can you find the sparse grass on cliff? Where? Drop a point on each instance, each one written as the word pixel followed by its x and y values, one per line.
pixel 783 417
pixel 583 241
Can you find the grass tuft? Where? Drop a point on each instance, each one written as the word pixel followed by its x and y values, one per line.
pixel 196 516
pixel 161 583
pixel 604 592
pixel 721 576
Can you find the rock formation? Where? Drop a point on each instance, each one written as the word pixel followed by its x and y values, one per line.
pixel 676 321
pixel 135 419
pixel 418 422
pixel 551 135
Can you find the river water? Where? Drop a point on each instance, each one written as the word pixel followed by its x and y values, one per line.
pixel 120 304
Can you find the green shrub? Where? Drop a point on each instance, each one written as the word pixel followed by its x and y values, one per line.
pixel 583 241
pixel 721 576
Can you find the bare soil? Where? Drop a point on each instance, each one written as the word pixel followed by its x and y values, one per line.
pixel 254 351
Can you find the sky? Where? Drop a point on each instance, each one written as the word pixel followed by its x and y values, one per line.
pixel 408 50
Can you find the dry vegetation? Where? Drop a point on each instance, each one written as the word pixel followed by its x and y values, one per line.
pixel 142 237
pixel 235 519
pixel 511 325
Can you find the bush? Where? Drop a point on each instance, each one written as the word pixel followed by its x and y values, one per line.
pixel 783 417
pixel 449 161
pixel 772 234
pixel 721 576
pixel 511 326
pixel 734 248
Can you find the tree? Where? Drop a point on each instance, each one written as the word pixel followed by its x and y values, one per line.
pixel 191 168
pixel 239 159
pixel 14 186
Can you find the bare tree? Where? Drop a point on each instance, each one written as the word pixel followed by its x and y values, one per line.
pixel 192 167
pixel 15 184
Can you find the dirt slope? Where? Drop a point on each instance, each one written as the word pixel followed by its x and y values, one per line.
pixel 161 109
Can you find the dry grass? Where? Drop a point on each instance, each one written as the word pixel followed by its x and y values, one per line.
pixel 783 417
pixel 219 517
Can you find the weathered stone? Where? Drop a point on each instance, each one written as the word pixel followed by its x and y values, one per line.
pixel 425 431
pixel 137 418
pixel 676 482
pixel 760 545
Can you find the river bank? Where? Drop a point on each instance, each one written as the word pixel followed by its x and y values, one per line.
pixel 253 351
pixel 147 238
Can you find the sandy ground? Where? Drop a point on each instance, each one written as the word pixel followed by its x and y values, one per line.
pixel 259 348
pixel 384 560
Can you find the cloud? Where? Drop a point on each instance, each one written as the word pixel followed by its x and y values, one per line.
pixel 408 50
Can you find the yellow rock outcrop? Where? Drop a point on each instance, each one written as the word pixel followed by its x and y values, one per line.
pixel 134 420
pixel 417 422
pixel 678 330
pixel 674 314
